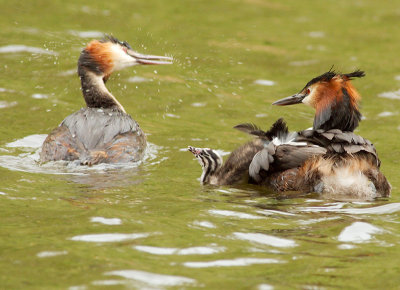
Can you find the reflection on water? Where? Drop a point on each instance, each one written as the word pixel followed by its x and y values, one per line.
pixel 87 34
pixel 176 251
pixel 47 254
pixel 232 263
pixel 265 239
pixel 24 48
pixel 382 209
pixel 5 104
pixel 109 238
pixel 230 213
pixel 358 232
pixel 152 279
pixel 106 221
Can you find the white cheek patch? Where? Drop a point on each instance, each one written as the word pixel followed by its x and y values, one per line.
pixel 308 100
pixel 121 58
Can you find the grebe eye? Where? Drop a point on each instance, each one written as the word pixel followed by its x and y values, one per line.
pixel 125 49
pixel 308 91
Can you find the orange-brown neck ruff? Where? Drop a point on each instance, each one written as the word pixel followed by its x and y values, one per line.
pixel 336 105
pixel 101 53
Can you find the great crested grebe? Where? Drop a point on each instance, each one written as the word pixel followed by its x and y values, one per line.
pixel 328 159
pixel 102 132
pixel 350 166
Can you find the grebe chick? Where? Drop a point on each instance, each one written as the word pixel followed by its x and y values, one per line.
pixel 102 132
pixel 350 166
pixel 235 169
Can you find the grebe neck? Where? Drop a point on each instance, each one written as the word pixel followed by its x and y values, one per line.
pixel 95 91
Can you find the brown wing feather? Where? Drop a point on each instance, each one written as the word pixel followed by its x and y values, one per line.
pixel 61 145
pixel 289 156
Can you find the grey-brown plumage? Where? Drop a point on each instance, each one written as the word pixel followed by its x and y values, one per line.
pixel 114 138
pixel 281 150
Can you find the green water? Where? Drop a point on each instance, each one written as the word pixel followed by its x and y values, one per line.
pixel 246 237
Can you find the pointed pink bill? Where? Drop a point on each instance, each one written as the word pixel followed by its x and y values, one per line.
pixel 150 59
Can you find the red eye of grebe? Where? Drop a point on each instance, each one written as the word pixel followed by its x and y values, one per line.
pixel 125 49
pixel 308 91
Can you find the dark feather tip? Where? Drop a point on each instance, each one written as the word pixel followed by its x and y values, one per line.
pixel 278 128
pixel 355 74
pixel 249 128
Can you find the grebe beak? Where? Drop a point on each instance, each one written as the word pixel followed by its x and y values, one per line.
pixel 149 59
pixel 295 99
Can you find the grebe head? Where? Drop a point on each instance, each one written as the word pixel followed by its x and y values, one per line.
pixel 333 97
pixel 99 59
pixel 110 54
pixel 209 160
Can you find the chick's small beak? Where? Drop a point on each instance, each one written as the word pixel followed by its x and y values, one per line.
pixel 295 99
pixel 149 59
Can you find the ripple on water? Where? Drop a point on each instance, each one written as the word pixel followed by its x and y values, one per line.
pixel 265 239
pixel 316 34
pixel 265 287
pixel 274 212
pixel 15 48
pixel 229 213
pixel 198 105
pixel 108 282
pixel 106 221
pixel 204 224
pixel 87 34
pixel 5 104
pixel 386 114
pixel 346 246
pixel 395 95
pixel 382 209
pixel 303 62
pixel 109 238
pixel 172 115
pixel 46 254
pixel 232 263
pixel 31 141
pixel 177 251
pixel 40 96
pixel 359 232
pixel 137 79
pixel 264 82
pixel 152 279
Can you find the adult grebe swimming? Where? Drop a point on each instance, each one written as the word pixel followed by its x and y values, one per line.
pixel 102 132
pixel 329 158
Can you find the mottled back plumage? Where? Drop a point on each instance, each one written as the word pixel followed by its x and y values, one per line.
pixel 103 125
pixel 337 142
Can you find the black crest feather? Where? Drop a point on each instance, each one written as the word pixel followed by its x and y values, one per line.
pixel 110 38
pixel 355 74
pixel 329 75
pixel 325 77
pixel 277 129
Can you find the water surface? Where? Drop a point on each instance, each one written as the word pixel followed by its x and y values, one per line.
pixel 151 225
